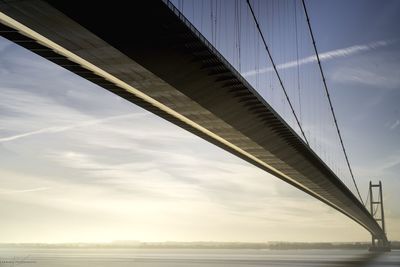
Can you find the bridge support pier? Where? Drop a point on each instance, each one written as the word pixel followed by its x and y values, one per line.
pixel 380 244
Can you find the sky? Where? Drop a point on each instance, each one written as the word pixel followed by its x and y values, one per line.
pixel 79 164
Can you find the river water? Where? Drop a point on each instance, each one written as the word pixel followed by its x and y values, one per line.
pixel 44 257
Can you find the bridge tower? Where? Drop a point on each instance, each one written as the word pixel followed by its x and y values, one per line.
pixel 376 204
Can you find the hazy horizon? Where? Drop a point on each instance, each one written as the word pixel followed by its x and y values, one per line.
pixel 80 164
pixel 129 242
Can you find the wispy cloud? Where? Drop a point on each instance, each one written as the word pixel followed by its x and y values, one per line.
pixel 395 125
pixel 338 53
pixel 145 174
pixel 69 127
pixel 378 70
pixel 24 190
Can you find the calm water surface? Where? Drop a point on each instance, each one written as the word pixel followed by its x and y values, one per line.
pixel 193 257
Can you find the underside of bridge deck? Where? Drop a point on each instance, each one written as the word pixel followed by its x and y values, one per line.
pixel 150 55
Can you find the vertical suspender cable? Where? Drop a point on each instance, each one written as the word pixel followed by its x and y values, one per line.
pixel 297 58
pixel 276 70
pixel 329 100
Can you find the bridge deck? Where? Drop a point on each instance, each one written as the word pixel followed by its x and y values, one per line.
pixel 164 65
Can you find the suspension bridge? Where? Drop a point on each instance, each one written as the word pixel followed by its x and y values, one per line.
pixel 243 75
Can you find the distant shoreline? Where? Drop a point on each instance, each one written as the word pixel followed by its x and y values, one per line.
pixel 199 245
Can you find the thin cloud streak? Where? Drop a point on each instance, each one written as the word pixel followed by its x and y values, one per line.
pixel 59 129
pixel 24 190
pixel 344 52
pixel 394 125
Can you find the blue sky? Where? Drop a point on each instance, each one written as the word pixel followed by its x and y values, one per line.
pixel 73 155
pixel 365 86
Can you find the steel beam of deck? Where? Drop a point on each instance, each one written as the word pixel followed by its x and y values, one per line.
pixel 153 57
